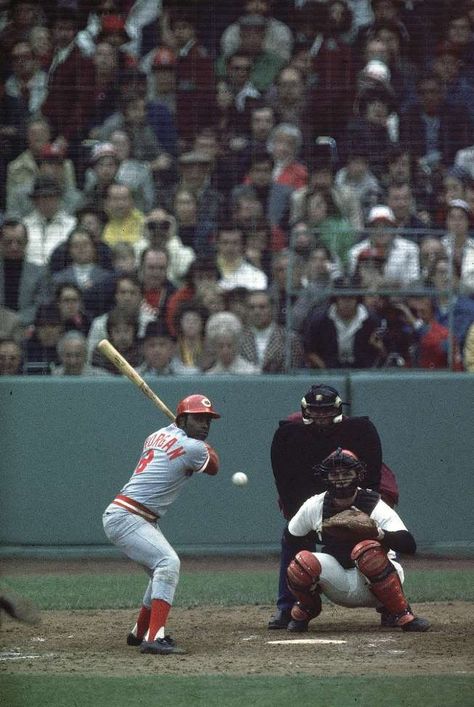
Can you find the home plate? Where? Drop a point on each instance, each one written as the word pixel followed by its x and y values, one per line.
pixel 304 641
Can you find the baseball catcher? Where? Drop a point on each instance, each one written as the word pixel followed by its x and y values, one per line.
pixel 359 534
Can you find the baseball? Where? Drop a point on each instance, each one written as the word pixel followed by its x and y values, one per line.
pixel 239 478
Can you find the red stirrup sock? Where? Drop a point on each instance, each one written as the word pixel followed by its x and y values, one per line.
pixel 159 614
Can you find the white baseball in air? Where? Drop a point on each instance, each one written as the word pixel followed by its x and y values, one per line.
pixel 239 478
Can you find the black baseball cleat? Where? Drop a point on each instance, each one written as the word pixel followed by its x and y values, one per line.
pixel 280 619
pixel 132 640
pixel 162 646
pixel 387 620
pixel 297 626
pixel 417 625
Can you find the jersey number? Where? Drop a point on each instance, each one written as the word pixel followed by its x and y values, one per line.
pixel 144 461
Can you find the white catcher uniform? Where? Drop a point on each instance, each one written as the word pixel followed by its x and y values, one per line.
pixel 347 587
pixel 168 459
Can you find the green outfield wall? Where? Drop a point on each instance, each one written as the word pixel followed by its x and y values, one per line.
pixel 68 445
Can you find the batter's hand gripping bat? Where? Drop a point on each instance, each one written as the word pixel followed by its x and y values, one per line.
pixel 110 352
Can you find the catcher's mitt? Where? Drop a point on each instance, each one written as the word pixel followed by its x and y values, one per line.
pixel 350 526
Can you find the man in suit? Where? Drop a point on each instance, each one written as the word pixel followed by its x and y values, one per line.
pixel 22 283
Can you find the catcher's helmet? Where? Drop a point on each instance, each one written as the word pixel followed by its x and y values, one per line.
pixel 197 405
pixel 323 400
pixel 341 460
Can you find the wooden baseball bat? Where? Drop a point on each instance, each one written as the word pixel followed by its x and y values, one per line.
pixel 110 352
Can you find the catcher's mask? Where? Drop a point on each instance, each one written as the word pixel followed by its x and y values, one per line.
pixel 321 405
pixel 342 471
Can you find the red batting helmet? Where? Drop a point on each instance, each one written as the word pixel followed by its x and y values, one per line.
pixel 197 404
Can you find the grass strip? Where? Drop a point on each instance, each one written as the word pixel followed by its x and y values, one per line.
pixel 225 691
pixel 102 591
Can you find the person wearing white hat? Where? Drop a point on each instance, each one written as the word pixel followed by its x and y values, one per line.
pixel 402 259
pixel 459 244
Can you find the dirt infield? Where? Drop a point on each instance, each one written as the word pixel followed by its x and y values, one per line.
pixel 235 640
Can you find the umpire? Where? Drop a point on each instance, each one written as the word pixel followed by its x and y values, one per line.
pixel 298 446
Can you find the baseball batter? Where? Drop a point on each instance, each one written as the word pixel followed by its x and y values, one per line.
pixel 356 566
pixel 169 458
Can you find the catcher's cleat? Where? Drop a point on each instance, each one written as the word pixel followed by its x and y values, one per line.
pixel 387 620
pixel 417 625
pixel 162 646
pixel 297 626
pixel 132 640
pixel 280 619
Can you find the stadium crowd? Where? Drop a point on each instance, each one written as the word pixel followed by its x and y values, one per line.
pixel 236 187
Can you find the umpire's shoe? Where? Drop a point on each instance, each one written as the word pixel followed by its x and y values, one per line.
pixel 280 619
pixel 162 646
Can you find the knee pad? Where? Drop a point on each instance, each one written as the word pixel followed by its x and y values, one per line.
pixel 303 571
pixel 371 559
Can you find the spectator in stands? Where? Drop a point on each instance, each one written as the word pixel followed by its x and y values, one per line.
pixel 94 221
pixel 145 147
pixel 40 352
pixel 122 332
pixel 48 224
pixel 106 86
pixel 22 171
pixel 356 175
pixel 24 92
pixel 283 300
pixel 431 249
pixel 430 128
pixel 278 37
pixel 436 347
pixel 212 297
pixel 459 244
pixel 223 338
pixel 236 96
pixel 468 351
pixel 83 270
pixel 10 327
pixel 266 64
pixel 72 352
pixel 128 299
pixel 160 232
pixel 193 230
pixel 335 67
pixel 274 198
pixel 161 77
pixel 202 272
pixel 452 310
pixel 327 224
pixel 340 336
pixel 370 128
pixel 22 16
pixel 235 271
pixel 104 164
pixel 289 99
pixel 52 163
pixel 158 349
pixel 400 199
pixel 195 95
pixel 457 89
pixel 39 39
pixel 264 342
pixel 10 358
pixel 189 324
pixel 319 274
pixel 134 173
pixel 70 98
pixel 195 175
pixel 125 221
pixel 460 40
pixel 157 289
pixel 402 258
pixel 68 297
pixel 284 146
pixel 22 282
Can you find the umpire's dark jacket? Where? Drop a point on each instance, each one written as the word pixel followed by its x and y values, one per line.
pixel 297 448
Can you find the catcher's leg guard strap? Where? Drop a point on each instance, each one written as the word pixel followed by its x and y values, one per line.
pixel 303 575
pixel 372 561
